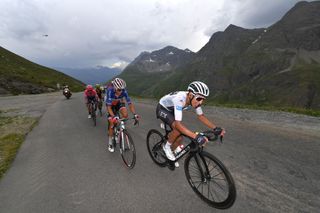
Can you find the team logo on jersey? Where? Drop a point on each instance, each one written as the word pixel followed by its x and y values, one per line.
pixel 163 114
pixel 179 108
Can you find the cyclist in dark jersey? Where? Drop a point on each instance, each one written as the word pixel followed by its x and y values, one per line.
pixel 115 95
pixel 99 91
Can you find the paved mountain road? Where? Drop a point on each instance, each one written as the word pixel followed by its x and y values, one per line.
pixel 63 166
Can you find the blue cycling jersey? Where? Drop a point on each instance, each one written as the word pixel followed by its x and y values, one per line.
pixel 112 99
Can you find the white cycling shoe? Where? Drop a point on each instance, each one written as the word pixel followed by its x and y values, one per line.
pixel 167 150
pixel 111 148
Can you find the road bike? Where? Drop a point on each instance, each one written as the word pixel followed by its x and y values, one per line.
pixel 205 173
pixel 123 139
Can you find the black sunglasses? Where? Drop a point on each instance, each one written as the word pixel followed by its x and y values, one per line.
pixel 119 90
pixel 199 99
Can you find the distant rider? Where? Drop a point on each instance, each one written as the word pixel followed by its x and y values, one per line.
pixel 99 91
pixel 90 95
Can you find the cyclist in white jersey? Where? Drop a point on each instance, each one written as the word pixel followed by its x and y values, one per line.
pixel 170 109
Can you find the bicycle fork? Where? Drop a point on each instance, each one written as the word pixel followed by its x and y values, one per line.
pixel 204 174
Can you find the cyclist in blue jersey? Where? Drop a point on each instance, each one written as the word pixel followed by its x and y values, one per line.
pixel 115 95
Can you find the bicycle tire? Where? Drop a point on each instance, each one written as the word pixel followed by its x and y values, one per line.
pixel 100 108
pixel 94 118
pixel 210 164
pixel 128 149
pixel 154 147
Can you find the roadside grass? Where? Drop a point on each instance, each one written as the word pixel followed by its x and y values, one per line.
pixel 303 111
pixel 13 131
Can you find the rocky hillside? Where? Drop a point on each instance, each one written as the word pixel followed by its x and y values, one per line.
pixel 20 76
pixel 276 66
pixel 162 60
pixel 148 69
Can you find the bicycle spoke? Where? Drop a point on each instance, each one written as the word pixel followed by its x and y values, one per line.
pixel 210 180
pixel 222 188
pixel 128 150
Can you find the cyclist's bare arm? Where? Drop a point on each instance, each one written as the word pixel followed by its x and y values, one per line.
pixel 206 121
pixel 110 110
pixel 132 109
pixel 184 130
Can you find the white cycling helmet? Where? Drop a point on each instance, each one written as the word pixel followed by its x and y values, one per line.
pixel 199 88
pixel 118 83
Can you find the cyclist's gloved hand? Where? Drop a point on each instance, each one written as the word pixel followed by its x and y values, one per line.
pixel 201 139
pixel 114 119
pixel 217 131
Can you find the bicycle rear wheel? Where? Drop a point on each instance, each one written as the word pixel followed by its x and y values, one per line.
pixel 94 118
pixel 100 108
pixel 155 141
pixel 127 149
pixel 210 180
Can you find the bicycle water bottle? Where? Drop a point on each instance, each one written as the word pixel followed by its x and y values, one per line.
pixel 178 150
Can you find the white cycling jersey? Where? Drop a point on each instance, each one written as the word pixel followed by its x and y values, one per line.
pixel 176 101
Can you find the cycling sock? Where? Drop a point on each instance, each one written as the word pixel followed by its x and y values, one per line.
pixel 110 140
pixel 168 144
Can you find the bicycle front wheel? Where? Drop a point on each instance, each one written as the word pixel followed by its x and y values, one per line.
pixel 94 118
pixel 127 149
pixel 155 141
pixel 210 180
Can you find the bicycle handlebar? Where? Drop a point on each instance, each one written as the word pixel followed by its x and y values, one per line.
pixel 126 119
pixel 213 137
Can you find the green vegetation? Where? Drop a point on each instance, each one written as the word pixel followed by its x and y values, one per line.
pixel 314 113
pixel 141 84
pixel 18 76
pixel 12 133
pixel 9 145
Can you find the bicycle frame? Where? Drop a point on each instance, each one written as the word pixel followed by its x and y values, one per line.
pixel 92 106
pixel 191 147
pixel 118 128
pixel 118 132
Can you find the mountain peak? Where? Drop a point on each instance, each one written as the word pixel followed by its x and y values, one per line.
pixel 233 28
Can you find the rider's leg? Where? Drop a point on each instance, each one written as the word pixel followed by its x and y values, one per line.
pixel 177 142
pixel 174 136
pixel 124 112
pixel 110 131
pixel 110 135
pixel 88 108
pixel 168 147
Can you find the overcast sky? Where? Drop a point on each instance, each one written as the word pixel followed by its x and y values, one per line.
pixel 87 33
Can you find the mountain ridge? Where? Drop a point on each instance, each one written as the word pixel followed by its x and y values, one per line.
pixel 277 65
pixel 21 76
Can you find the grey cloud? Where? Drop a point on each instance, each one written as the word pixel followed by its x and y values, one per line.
pixel 263 13
pixel 102 32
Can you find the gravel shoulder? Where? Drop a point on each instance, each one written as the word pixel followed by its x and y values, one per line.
pixel 36 105
pixel 285 121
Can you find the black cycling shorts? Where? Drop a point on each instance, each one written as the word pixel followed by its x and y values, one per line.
pixel 165 115
pixel 116 108
pixel 91 99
